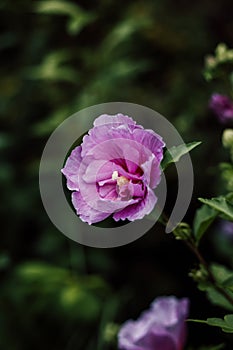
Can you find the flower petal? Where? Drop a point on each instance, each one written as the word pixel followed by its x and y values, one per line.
pixel 128 336
pixel 113 129
pixel 152 172
pixel 71 169
pixel 108 191
pixel 160 327
pixel 163 306
pixel 138 210
pixel 150 140
pixel 113 119
pixel 85 211
pixel 158 339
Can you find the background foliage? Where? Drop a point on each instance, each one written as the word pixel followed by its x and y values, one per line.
pixel 58 57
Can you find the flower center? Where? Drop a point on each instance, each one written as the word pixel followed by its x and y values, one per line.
pixel 115 175
pixel 121 180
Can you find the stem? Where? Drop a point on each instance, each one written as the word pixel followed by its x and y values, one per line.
pixel 193 247
pixel 212 278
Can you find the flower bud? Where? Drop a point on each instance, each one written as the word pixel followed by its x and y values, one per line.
pixel 222 107
pixel 227 138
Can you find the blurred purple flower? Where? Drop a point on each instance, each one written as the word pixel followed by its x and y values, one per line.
pixel 226 228
pixel 115 170
pixel 222 106
pixel 162 327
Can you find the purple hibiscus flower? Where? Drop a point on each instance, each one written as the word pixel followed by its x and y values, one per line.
pixel 162 327
pixel 114 170
pixel 222 106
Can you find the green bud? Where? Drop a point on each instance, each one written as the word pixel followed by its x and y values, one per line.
pixel 221 52
pixel 210 61
pixel 227 138
pixel 110 332
pixel 230 55
pixel 183 231
pixel 199 275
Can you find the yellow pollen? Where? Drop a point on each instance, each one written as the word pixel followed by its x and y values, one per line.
pixel 122 180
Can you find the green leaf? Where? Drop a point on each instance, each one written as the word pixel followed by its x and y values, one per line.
pixel 221 274
pixel 225 324
pixel 173 154
pixel 222 205
pixel 202 220
pixel 228 283
pixel 229 320
pixel 218 299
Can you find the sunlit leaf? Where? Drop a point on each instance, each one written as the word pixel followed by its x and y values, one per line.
pixel 222 205
pixel 173 154
pixel 78 18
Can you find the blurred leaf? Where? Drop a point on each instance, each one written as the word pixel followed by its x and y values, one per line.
pixel 221 205
pixel 221 274
pixel 76 297
pixel 227 175
pixel 203 219
pixel 4 261
pixel 231 79
pixel 218 299
pixel 78 18
pixel 108 315
pixel 53 68
pixel 208 347
pixel 212 347
pixel 124 68
pixel 110 79
pixel 228 283
pixel 174 154
pixel 123 32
